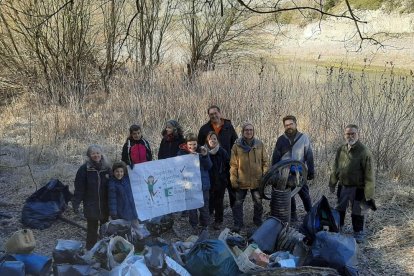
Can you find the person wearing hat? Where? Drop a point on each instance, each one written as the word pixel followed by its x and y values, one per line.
pixel 248 163
pixel 172 138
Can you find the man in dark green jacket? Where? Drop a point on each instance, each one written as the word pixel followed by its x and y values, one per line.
pixel 354 172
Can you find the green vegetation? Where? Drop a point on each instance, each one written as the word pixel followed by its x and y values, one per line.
pixel 366 4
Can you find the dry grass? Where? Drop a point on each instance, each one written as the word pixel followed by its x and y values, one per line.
pixel 53 139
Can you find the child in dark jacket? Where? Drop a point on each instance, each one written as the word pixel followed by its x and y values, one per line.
pixel 172 138
pixel 121 201
pixel 219 174
pixel 191 147
pixel 136 149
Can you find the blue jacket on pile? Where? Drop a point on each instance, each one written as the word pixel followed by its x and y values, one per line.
pixel 121 201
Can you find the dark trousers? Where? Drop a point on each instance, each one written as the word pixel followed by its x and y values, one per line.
pixel 355 196
pixel 92 226
pixel 204 217
pixel 232 193
pixel 306 199
pixel 216 204
pixel 238 207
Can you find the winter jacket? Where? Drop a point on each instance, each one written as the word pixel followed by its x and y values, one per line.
pixel 91 188
pixel 354 167
pixel 247 168
pixel 205 166
pixel 219 173
pixel 135 152
pixel 121 201
pixel 226 136
pixel 301 151
pixel 170 148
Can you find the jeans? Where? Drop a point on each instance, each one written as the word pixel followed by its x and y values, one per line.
pixel 306 199
pixel 92 231
pixel 204 217
pixel 238 207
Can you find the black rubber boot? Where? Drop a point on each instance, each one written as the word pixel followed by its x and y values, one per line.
pixel 358 225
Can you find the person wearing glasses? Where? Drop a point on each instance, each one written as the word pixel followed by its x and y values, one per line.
pixel 226 136
pixel 295 145
pixel 353 170
pixel 248 163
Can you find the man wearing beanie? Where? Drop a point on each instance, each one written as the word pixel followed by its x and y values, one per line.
pixel 248 163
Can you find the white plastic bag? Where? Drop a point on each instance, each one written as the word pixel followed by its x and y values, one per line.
pixel 119 250
pixel 132 266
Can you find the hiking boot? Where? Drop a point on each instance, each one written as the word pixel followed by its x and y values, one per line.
pixel 258 223
pixel 236 229
pixel 217 225
pixel 359 236
pixel 195 231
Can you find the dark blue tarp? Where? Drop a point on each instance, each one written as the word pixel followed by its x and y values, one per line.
pixel 44 206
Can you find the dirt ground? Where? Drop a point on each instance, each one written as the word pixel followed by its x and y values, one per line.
pixel 389 248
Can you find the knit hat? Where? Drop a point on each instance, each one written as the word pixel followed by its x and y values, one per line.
pixel 244 125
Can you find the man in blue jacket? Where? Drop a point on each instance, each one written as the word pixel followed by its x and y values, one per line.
pixel 295 145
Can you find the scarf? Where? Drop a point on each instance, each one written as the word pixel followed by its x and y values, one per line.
pixel 213 151
pixel 169 137
pixel 247 147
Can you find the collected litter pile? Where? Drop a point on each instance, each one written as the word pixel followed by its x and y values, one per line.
pixel 230 254
pixel 125 248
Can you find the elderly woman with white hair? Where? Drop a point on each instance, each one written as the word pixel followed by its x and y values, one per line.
pixel 248 163
pixel 91 188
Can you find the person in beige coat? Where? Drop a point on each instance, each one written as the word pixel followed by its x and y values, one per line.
pixel 248 163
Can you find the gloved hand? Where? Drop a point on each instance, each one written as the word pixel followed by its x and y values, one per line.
pixel 371 204
pixel 311 176
pixel 332 189
pixel 131 166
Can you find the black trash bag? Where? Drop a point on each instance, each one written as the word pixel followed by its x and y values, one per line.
pixel 68 252
pixel 44 206
pixel 321 215
pixel 157 226
pixel 336 251
pixel 211 257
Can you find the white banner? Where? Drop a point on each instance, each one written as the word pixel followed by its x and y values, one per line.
pixel 166 186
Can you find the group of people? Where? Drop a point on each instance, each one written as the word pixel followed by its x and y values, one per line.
pixel 227 162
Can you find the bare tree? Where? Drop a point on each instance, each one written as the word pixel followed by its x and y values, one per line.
pixel 155 17
pixel 316 8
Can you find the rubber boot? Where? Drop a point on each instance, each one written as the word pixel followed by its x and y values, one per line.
pixel 341 220
pixel 358 225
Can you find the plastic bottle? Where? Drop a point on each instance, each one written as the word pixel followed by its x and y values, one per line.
pixel 21 242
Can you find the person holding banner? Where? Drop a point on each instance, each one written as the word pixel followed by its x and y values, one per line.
pixel 219 174
pixel 248 163
pixel 121 202
pixel 200 215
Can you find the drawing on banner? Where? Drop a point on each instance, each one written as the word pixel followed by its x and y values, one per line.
pixel 151 182
pixel 165 186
